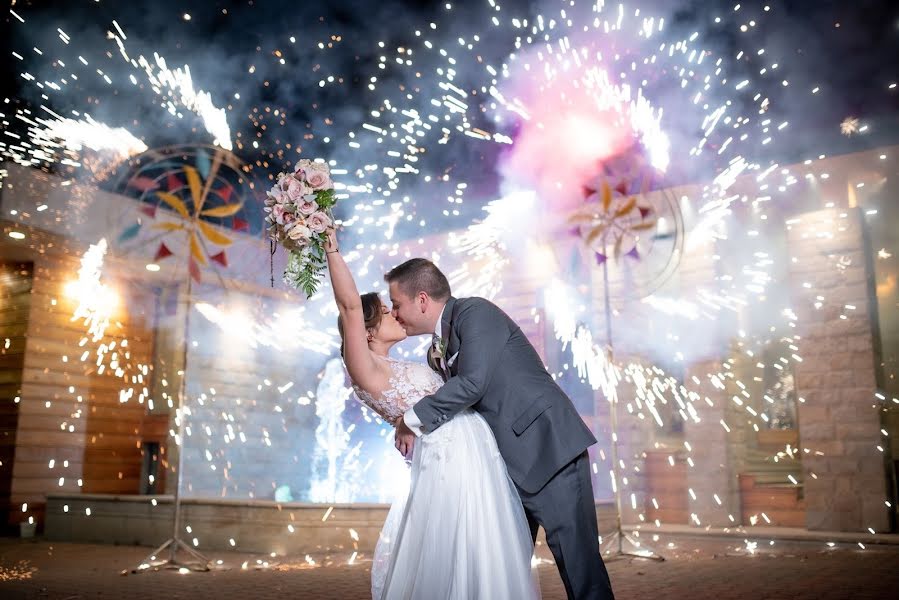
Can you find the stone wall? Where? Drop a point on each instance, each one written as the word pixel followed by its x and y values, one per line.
pixel 712 475
pixel 839 418
pixel 209 524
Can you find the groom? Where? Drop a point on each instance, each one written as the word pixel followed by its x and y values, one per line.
pixel 490 366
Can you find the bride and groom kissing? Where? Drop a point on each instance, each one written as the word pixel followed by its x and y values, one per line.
pixel 496 447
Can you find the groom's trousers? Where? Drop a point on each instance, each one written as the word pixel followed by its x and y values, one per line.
pixel 564 507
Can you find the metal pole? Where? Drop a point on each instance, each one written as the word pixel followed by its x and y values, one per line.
pixel 182 390
pixel 613 408
pixel 613 414
pixel 175 542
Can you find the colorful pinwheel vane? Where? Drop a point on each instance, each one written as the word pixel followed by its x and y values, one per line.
pixel 613 222
pixel 189 196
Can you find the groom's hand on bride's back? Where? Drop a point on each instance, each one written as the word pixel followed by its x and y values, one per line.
pixel 403 438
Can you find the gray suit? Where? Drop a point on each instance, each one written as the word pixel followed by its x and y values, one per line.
pixel 496 371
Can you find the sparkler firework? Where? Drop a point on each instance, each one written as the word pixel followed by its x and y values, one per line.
pixel 491 132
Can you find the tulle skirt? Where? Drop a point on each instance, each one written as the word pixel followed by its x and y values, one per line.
pixel 461 532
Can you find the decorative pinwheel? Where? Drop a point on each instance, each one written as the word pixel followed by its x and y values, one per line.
pixel 199 199
pixel 614 224
pixel 627 218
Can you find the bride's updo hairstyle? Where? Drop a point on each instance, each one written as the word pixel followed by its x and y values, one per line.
pixel 371 314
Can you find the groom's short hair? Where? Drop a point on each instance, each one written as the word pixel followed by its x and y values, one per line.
pixel 419 275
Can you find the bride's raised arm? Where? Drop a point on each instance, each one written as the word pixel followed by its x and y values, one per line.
pixel 358 358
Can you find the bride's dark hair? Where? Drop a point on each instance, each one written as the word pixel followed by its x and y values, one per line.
pixel 371 314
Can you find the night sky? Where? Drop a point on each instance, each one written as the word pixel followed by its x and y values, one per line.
pixel 848 49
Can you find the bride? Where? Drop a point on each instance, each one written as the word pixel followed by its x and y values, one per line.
pixel 461 533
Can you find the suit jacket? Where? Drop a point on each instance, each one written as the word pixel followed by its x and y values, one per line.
pixel 495 370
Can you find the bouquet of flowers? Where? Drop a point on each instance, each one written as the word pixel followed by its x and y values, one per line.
pixel 298 213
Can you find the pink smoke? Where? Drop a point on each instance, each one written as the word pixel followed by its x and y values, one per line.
pixel 560 148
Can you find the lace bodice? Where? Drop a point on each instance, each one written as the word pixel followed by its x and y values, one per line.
pixel 409 383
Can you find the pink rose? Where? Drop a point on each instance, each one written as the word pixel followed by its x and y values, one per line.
pixel 296 189
pixel 281 215
pixel 276 195
pixel 307 205
pixel 278 214
pixel 301 167
pixel 318 222
pixel 318 176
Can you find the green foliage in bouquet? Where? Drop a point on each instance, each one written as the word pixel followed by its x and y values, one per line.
pixel 306 267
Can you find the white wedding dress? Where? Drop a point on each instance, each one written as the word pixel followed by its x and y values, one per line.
pixel 461 533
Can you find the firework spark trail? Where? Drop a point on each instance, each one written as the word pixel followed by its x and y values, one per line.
pixel 115 144
pixel 96 300
pixel 271 333
pixel 180 91
pixel 71 142
pixel 398 148
pixel 486 246
pixel 405 125
pixel 723 131
pixel 545 57
pixel 458 104
pixel 96 303
pixel 48 138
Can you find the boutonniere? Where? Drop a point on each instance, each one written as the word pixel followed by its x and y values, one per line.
pixel 440 348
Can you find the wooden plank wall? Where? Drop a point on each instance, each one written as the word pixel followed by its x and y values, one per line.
pixel 667 484
pixel 15 303
pixel 70 415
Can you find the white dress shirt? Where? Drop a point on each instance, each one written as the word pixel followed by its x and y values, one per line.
pixel 409 417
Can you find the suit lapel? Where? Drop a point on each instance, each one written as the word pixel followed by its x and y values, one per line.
pixel 447 321
pixel 452 341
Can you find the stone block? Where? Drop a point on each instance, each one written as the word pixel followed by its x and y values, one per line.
pixel 874 514
pixel 829 448
pixel 811 370
pixel 814 413
pixel 848 505
pixel 849 412
pixel 810 432
pixel 859 343
pixel 840 378
pixel 841 466
pixel 858 396
pixel 862 361
pixel 865 377
pixel 812 331
pixel 816 467
pixel 866 431
pixel 840 360
pixel 844 487
pixel 820 520
pixel 818 398
pixel 846 327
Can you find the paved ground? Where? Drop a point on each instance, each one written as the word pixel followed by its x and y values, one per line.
pixel 695 569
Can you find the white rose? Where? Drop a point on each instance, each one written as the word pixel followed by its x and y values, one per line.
pixel 300 234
